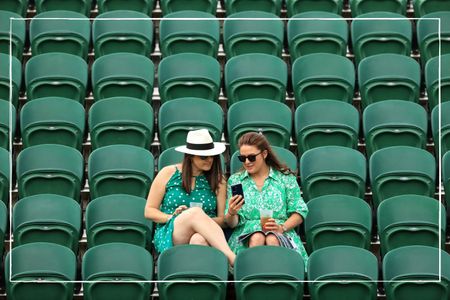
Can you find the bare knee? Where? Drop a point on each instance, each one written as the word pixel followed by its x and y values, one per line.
pixel 256 239
pixel 190 215
pixel 272 240
pixel 198 239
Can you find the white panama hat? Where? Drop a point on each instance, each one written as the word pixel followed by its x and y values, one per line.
pixel 199 142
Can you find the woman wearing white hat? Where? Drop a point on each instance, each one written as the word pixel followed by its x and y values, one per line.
pixel 198 178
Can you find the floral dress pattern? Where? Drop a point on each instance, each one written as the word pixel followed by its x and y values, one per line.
pixel 279 193
pixel 174 197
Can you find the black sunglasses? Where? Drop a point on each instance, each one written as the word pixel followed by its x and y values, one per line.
pixel 251 157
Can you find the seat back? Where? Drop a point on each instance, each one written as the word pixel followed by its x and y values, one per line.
pixel 294 7
pixel 444 111
pixel 5 183
pixel 143 6
pixel 424 7
pixel 169 6
pixel 437 80
pixel 360 7
pixel 12 24
pixel 16 6
pixel 5 87
pixel 446 177
pixel 271 6
pixel 5 108
pixel 433 36
pixel 80 6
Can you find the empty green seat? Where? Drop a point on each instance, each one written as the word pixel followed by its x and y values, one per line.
pixel 394 123
pixel 410 220
pixel 378 36
pixel 388 76
pixel 333 170
pixel 401 170
pixel 179 116
pixel 256 75
pixel 271 6
pixel 444 143
pixel 343 272
pixel 423 7
pixel 325 123
pixel 338 220
pixel 123 74
pixel 273 119
pixel 56 74
pixel 121 120
pixel 446 177
pixel 323 76
pixel 16 6
pixel 3 222
pixel 120 265
pixel 294 7
pixel 33 263
pixel 284 155
pixel 120 169
pixel 50 169
pixel 143 6
pixel 171 157
pixel 417 272
pixel 432 80
pixel 192 263
pixel 80 6
pixel 118 218
pixel 189 75
pixel 241 35
pixel 5 108
pixel 5 183
pixel 49 33
pixel 169 6
pixel 360 7
pixel 132 35
pixel 12 22
pixel 195 36
pixel 47 218
pixel 307 35
pixel 430 40
pixel 16 72
pixel 259 271
pixel 52 120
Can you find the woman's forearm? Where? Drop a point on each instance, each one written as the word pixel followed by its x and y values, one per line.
pixel 293 221
pixel 220 221
pixel 156 215
pixel 231 220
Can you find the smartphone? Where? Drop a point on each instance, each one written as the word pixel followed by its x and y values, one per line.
pixel 236 189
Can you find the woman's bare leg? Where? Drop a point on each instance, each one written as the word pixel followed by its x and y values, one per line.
pixel 272 240
pixel 198 239
pixel 256 239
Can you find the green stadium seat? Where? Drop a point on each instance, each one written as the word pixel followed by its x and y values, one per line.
pixel 52 120
pixel 432 80
pixel 428 37
pixel 171 157
pixel 134 35
pixel 121 120
pixel 118 218
pixel 120 265
pixel 47 218
pixel 193 36
pixel 48 33
pixel 256 75
pixel 243 36
pixel 377 36
pixel 120 169
pixel 123 74
pixel 16 73
pixel 271 6
pixel 416 272
pixel 401 170
pixel 16 6
pixel 294 7
pixel 189 75
pixel 323 76
pixel 446 177
pixel 143 6
pixel 284 155
pixel 359 7
pixel 338 220
pixel 343 272
pixel 5 108
pixel 423 7
pixel 332 170
pixel 444 111
pixel 179 116
pixel 56 74
pixel 80 6
pixel 394 123
pixel 326 123
pixel 3 221
pixel 5 160
pixel 273 119
pixel 192 263
pixel 170 6
pixel 40 271
pixel 407 220
pixel 259 271
pixel 50 169
pixel 388 76
pixel 13 22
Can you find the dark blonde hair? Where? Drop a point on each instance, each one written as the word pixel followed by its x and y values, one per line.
pixel 259 141
pixel 213 176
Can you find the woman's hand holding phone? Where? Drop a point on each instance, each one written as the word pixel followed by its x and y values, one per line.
pixel 235 204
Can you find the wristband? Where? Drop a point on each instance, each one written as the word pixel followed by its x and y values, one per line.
pixel 283 227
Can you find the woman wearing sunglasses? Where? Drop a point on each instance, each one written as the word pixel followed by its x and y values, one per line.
pixel 267 185
pixel 198 179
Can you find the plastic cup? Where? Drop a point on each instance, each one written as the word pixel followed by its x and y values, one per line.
pixel 196 204
pixel 265 215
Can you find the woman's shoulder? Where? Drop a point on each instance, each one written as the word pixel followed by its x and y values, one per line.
pixel 236 177
pixel 167 172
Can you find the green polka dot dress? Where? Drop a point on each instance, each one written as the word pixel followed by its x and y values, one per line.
pixel 174 197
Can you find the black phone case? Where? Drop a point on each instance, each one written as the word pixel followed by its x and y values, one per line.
pixel 236 189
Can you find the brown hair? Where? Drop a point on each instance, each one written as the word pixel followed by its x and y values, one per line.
pixel 260 141
pixel 213 176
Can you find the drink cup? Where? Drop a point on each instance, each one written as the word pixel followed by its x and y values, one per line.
pixel 196 204
pixel 265 215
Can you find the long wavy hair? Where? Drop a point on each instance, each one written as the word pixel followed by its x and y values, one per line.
pixel 213 176
pixel 259 141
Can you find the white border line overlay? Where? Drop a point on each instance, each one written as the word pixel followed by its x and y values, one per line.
pixel 440 187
